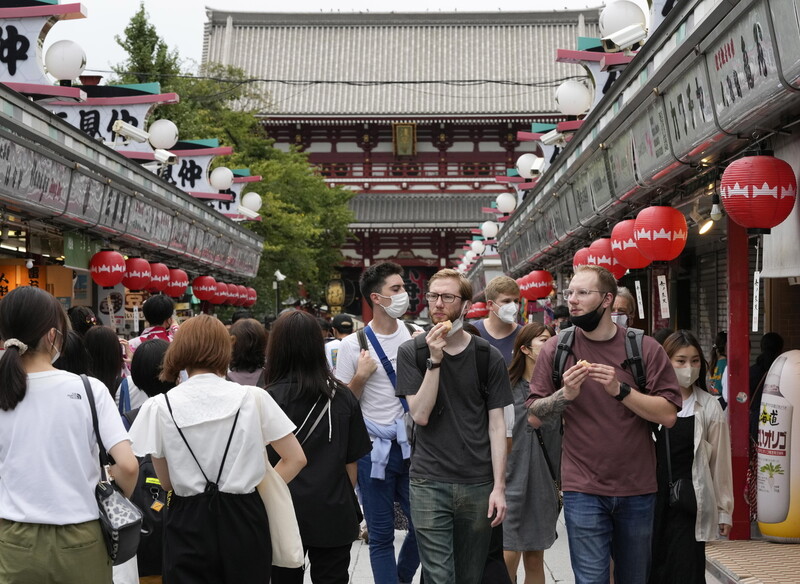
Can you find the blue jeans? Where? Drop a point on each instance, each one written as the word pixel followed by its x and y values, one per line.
pixel 378 497
pixel 453 531
pixel 599 527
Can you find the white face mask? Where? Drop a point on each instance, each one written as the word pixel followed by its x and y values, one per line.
pixel 57 354
pixel 687 375
pixel 508 312
pixel 458 323
pixel 620 318
pixel 399 305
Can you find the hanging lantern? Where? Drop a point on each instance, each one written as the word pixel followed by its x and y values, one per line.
pixel 478 246
pixel 573 97
pixel 540 285
pixel 204 287
pixel 600 254
pixel 252 296
pixel 581 257
pixel 479 310
pixel 506 202
pixel 623 246
pixel 758 192
pixel 159 277
pixel 220 293
pixel 137 274
pixel 660 233
pixel 242 295
pixel 489 229
pixel 107 268
pixel 178 282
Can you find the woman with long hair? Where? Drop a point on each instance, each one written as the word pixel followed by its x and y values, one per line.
pixel 105 356
pixel 696 451
pixel 531 496
pixel 249 352
pixel 49 458
pixel 719 361
pixel 334 436
pixel 206 438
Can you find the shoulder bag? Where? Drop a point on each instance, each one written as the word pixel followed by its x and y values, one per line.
pixel 681 492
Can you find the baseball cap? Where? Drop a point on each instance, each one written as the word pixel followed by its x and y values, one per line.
pixel 343 323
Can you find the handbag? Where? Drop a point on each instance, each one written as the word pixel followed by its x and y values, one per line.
pixel 556 483
pixel 120 520
pixel 681 492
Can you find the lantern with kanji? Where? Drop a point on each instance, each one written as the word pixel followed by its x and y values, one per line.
pixel 539 285
pixel 600 254
pixel 660 233
pixel 204 287
pixel 159 277
pixel 137 274
pixel 624 248
pixel 107 268
pixel 758 192
pixel 178 282
pixel 581 257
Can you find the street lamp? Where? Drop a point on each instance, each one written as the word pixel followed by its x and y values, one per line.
pixel 276 284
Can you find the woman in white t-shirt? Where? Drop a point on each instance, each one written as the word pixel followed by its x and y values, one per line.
pixel 207 439
pixel 49 459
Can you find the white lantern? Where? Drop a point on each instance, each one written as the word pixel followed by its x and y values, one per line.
pixel 506 202
pixel 620 15
pixel 573 97
pixel 221 178
pixel 489 229
pixel 478 247
pixel 525 165
pixel 252 201
pixel 469 256
pixel 163 134
pixel 65 60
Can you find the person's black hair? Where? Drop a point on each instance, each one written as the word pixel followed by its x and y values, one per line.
pixel 771 348
pixel 146 367
pixel 374 277
pixel 26 314
pixel 158 309
pixel 683 338
pixel 250 346
pixel 105 356
pixel 661 334
pixel 240 314
pixel 718 349
pixel 560 311
pixel 269 319
pixel 82 319
pixel 324 324
pixel 296 352
pixel 74 357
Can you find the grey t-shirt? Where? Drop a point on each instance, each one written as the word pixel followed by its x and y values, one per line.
pixel 454 446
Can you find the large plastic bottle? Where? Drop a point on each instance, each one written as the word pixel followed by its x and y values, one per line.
pixel 778 443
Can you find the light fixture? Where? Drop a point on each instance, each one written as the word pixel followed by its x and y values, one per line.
pixel 29 263
pixel 252 201
pixel 279 276
pixel 573 97
pixel 478 246
pixel 65 60
pixel 221 178
pixel 506 202
pixel 489 229
pixel 163 134
pixel 529 165
pixel 716 210
pixel 706 227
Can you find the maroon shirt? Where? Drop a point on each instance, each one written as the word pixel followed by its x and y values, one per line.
pixel 607 449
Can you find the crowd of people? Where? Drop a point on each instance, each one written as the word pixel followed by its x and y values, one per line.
pixel 471 436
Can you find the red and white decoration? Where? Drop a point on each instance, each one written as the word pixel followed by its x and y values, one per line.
pixel 220 294
pixel 137 274
pixel 758 192
pixel 478 310
pixel 624 248
pixel 536 285
pixel 660 233
pixel 107 268
pixel 159 277
pixel 204 287
pixel 178 282
pixel 600 254
pixel 252 296
pixel 581 257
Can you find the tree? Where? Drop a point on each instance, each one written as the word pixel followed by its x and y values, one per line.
pixel 149 58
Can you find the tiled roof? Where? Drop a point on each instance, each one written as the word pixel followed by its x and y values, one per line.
pixel 419 210
pixel 518 47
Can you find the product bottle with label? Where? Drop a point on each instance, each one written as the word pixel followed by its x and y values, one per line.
pixel 774 448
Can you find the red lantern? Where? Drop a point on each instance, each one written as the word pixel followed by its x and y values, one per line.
pixel 600 254
pixel 540 286
pixel 581 257
pixel 231 295
pixel 623 246
pixel 758 191
pixel 178 282
pixel 252 296
pixel 479 310
pixel 242 295
pixel 204 287
pixel 107 268
pixel 137 274
pixel 660 233
pixel 159 277
pixel 220 294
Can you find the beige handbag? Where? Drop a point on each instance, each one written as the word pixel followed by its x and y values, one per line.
pixel 287 547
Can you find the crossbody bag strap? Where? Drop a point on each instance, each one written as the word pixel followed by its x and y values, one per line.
pixel 322 413
pixel 387 365
pixel 103 454
pixel 546 455
pixel 669 456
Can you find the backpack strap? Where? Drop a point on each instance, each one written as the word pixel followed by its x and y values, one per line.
pixel 633 348
pixel 563 350
pixel 481 359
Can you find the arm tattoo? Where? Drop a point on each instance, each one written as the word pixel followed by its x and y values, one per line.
pixel 549 407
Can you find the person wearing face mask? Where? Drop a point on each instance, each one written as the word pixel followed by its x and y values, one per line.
pixel 624 311
pixel 699 452
pixel 383 473
pixel 608 467
pixel 500 328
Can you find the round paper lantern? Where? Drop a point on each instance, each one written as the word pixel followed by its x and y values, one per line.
pixel 581 257
pixel 163 134
pixel 107 268
pixel 220 294
pixel 159 277
pixel 600 254
pixel 624 248
pixel 241 293
pixel 758 192
pixel 660 233
pixel 252 296
pixel 573 97
pixel 489 229
pixel 231 294
pixel 479 309
pixel 178 282
pixel 204 287
pixel 506 202
pixel 137 274
pixel 540 285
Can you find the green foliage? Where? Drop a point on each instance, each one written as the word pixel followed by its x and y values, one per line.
pixel 771 469
pixel 149 58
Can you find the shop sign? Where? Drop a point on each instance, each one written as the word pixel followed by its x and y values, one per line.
pixel 787 32
pixel 650 141
pixel 79 249
pixel 690 116
pixel 32 179
pixel 85 199
pixel 620 161
pixel 582 195
pixel 598 182
pixel 97 121
pixel 116 211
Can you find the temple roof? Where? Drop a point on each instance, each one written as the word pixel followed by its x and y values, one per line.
pixel 396 64
pixel 418 210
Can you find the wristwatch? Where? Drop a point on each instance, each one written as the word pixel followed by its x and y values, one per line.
pixel 624 390
pixel 431 365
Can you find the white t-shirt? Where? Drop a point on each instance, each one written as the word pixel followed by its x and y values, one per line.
pixel 204 408
pixel 332 353
pixel 138 397
pixel 378 401
pixel 49 463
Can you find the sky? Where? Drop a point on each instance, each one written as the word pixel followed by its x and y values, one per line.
pixel 180 22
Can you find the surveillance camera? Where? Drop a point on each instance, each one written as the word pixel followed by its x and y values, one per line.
pixel 129 132
pixel 165 156
pixel 552 138
pixel 624 39
pixel 538 166
pixel 249 213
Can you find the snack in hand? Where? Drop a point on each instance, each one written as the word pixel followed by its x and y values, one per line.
pixel 446 326
pixel 584 363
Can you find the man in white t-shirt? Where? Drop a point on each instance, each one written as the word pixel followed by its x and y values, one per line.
pixel 382 474
pixel 342 325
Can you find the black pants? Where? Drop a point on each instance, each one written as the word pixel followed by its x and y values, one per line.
pixel 219 539
pixel 495 571
pixel 328 566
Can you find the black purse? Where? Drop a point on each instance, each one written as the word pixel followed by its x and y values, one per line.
pixel 556 483
pixel 120 520
pixel 681 492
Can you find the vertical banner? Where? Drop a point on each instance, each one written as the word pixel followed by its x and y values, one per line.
pixel 663 296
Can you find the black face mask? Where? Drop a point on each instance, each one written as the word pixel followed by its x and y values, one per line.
pixel 589 321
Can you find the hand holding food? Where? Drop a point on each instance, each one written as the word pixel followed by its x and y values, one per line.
pixel 584 363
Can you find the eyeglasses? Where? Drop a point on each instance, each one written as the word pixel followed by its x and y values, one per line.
pixel 433 297
pixel 581 294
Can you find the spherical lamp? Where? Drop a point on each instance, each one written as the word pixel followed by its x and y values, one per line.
pixel 478 246
pixel 573 97
pixel 163 134
pixel 252 201
pixel 506 202
pixel 221 178
pixel 65 60
pixel 524 165
pixel 624 248
pixel 660 233
pixel 489 229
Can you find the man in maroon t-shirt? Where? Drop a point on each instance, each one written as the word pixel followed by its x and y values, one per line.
pixel 608 460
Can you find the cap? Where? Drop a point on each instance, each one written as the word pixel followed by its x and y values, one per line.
pixel 343 323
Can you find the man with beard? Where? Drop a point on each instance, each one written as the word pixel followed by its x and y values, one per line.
pixel 608 468
pixel 459 459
